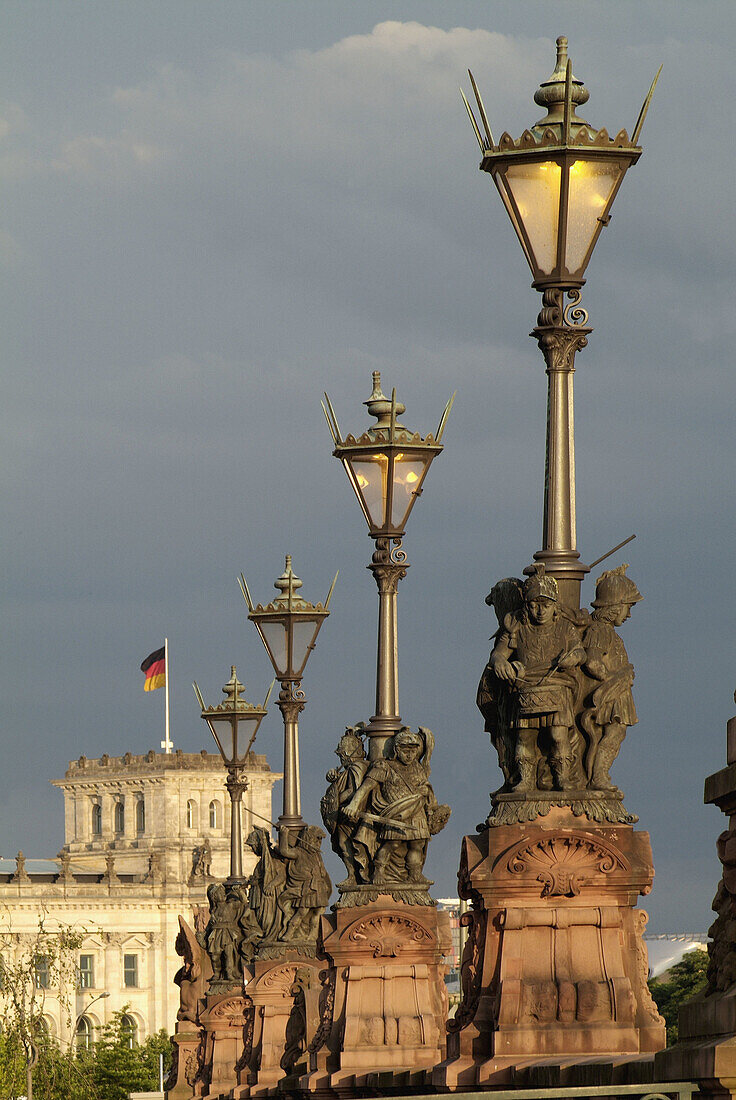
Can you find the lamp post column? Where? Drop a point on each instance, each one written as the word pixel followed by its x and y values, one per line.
pixel 388 567
pixel 291 704
pixel 559 340
pixel 236 786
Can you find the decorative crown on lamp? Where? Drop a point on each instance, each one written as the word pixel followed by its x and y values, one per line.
pixel 289 625
pixel 233 720
pixel 387 464
pixel 558 181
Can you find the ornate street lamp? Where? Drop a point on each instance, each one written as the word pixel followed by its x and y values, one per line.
pixel 558 182
pixel 230 723
pixel 386 466
pixel 288 627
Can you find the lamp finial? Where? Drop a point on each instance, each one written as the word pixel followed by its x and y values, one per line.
pixel 287 583
pixel 379 405
pixel 551 94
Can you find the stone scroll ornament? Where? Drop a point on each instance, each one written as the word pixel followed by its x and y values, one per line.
pixel 556 697
pixel 381 814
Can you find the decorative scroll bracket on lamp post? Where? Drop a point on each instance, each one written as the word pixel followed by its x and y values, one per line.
pixel 230 723
pixel 558 182
pixel 386 466
pixel 288 628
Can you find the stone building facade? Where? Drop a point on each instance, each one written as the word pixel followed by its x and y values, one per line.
pixel 144 837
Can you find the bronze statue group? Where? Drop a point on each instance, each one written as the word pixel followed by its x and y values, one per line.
pixel 556 692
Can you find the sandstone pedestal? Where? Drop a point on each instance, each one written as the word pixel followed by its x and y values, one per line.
pixel 706 1047
pixel 285 993
pixel 554 966
pixel 186 1070
pixel 385 1004
pixel 227 1019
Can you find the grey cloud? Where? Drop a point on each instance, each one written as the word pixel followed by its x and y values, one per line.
pixel 240 226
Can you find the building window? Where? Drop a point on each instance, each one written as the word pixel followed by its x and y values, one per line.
pixel 86 971
pixel 191 814
pixel 43 974
pixel 130 971
pixel 140 816
pixel 84 1033
pixel 128 1030
pixel 119 817
pixel 96 819
pixel 214 814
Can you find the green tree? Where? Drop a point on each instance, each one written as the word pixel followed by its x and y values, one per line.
pixel 32 965
pixel 117 1066
pixel 686 978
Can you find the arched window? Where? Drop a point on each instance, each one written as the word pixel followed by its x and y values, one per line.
pixel 140 816
pixel 83 1036
pixel 119 817
pixel 128 1031
pixel 214 814
pixel 46 1025
pixel 96 819
pixel 191 814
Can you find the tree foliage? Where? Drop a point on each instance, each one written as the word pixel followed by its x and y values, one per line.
pixel 686 978
pixel 115 1068
pixel 42 964
pixel 110 1070
pixel 34 966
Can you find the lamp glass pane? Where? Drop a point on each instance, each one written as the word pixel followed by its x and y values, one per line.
pixel 224 735
pixel 591 184
pixel 408 471
pixel 274 635
pixel 371 474
pixel 304 632
pixel 246 725
pixel 536 191
pixel 500 181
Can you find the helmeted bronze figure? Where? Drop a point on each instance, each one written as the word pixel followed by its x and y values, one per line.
pixel 383 829
pixel 611 705
pixel 343 783
pixel 536 654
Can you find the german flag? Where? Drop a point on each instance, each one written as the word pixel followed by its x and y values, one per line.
pixel 154 669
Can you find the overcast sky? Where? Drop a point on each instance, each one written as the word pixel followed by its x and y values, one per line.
pixel 212 212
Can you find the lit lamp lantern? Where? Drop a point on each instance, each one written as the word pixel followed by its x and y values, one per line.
pixel 558 183
pixel 386 466
pixel 234 724
pixel 288 627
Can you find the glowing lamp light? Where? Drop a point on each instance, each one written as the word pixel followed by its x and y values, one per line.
pixel 387 464
pixel 558 181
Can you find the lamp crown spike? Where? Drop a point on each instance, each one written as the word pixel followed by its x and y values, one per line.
pixel 551 94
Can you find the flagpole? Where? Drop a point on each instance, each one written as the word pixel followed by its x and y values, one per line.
pixel 166 745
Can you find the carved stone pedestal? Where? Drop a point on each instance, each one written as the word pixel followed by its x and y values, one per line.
pixel 554 966
pixel 706 1046
pixel 186 1070
pixel 285 993
pixel 385 1014
pixel 227 1019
